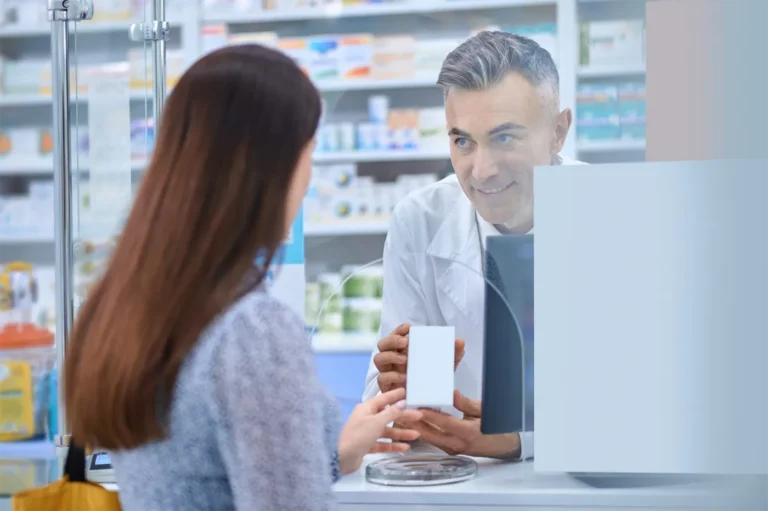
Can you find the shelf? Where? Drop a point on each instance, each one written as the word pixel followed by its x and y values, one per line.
pixel 370 84
pixel 347 228
pixel 40 99
pixel 33 450
pixel 394 8
pixel 611 71
pixel 25 240
pixel 82 27
pixel 610 146
pixel 384 156
pixel 343 343
pixel 41 166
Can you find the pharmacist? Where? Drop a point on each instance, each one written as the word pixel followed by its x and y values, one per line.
pixel 503 119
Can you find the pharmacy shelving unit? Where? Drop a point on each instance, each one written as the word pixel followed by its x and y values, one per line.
pixel 607 10
pixel 329 247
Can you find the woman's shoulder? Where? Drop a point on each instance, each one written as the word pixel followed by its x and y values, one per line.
pixel 256 325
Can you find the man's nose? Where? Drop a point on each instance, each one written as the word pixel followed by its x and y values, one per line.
pixel 484 165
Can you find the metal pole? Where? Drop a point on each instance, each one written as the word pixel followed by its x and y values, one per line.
pixel 60 13
pixel 158 69
pixel 62 183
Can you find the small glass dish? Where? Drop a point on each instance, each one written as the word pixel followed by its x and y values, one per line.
pixel 421 470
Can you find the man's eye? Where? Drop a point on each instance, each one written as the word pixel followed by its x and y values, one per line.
pixel 462 143
pixel 504 138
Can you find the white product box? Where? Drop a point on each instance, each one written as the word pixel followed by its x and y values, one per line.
pixel 15 214
pixel 355 56
pixel 613 43
pixel 24 143
pixel 41 206
pixel 378 109
pixel 431 351
pixel 433 133
pixel 114 10
pixel 26 76
pixel 323 57
pixel 23 12
pixel 430 54
pixel 394 57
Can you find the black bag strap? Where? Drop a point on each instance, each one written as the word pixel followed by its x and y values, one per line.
pixel 74 466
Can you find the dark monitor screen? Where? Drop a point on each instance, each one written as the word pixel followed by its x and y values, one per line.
pixel 508 337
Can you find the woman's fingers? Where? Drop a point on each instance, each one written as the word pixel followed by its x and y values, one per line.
pixel 393 397
pixel 401 435
pixel 384 447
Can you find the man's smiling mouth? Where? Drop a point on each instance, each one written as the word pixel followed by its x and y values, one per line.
pixel 494 191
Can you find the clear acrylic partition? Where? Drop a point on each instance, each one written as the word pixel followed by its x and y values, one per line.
pixel 344 315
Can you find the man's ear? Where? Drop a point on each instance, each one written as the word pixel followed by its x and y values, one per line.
pixel 562 126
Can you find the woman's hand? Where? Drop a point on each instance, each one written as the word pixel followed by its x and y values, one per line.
pixel 369 422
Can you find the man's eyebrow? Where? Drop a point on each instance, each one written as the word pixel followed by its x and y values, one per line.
pixel 459 133
pixel 506 127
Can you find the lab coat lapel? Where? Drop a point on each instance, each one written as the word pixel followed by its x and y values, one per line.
pixel 455 250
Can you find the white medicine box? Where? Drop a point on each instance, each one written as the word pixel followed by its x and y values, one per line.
pixel 613 43
pixel 431 353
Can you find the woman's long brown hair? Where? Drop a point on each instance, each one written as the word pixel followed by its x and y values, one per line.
pixel 211 204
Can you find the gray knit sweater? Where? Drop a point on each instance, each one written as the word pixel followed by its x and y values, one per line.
pixel 251 427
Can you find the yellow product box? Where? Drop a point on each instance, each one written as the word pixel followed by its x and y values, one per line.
pixel 17 412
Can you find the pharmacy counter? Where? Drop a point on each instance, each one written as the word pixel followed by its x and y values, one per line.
pixel 497 486
pixel 515 486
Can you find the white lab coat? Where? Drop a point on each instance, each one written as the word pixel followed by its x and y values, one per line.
pixel 433 276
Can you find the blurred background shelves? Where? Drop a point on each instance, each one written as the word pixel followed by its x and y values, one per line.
pixel 612 71
pixel 338 10
pixel 611 146
pixel 347 228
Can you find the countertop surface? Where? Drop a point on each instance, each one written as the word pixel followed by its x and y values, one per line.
pixel 500 483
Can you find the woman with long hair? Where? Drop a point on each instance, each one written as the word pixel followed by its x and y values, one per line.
pixel 200 384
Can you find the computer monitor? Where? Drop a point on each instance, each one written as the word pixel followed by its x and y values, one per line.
pixel 508 336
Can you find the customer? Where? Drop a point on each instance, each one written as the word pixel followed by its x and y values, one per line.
pixel 200 384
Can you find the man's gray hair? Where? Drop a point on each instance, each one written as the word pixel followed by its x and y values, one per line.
pixel 485 59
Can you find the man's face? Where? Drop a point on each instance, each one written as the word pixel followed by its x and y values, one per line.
pixel 498 136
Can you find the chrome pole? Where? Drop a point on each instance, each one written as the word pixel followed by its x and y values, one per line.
pixel 160 27
pixel 60 14
pixel 156 32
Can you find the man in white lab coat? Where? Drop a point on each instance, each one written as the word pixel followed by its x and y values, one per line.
pixel 503 119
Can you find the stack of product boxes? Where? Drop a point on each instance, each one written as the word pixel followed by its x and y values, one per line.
pixel 30 215
pixel 386 129
pixel 337 195
pixel 348 302
pixel 612 110
pixel 365 56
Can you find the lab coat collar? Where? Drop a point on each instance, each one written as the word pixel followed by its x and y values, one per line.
pixel 456 238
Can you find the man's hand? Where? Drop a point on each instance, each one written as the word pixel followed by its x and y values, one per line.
pixel 463 436
pixel 392 358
